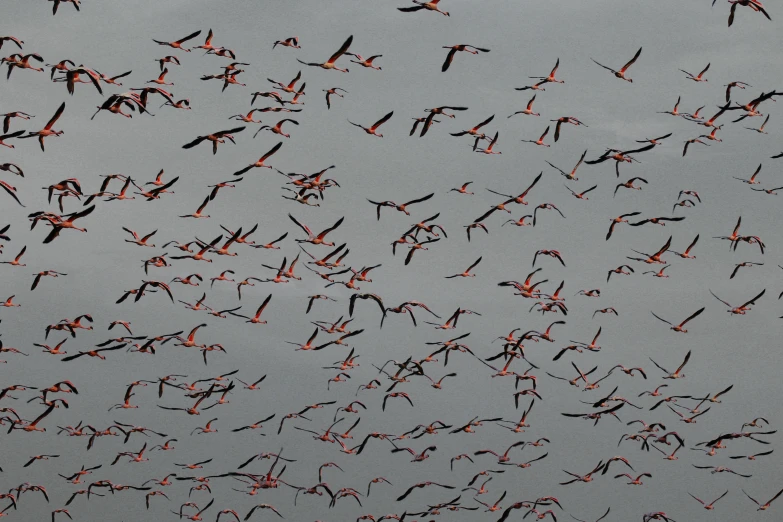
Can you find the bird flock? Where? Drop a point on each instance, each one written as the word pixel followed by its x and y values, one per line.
pixel 221 364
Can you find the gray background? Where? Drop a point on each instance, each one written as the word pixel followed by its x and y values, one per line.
pixel 525 40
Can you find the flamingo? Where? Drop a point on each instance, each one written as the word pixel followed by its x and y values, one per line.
pixel 711 121
pixel 429 6
pixel 619 219
pixel 161 79
pixel 482 226
pixel 333 91
pixel 431 117
pixel 475 130
pixel 711 505
pixel 372 130
pixel 729 86
pixel 16 114
pixel 262 506
pixel 198 213
pixel 752 179
pixel 47 130
pixel 330 63
pixel 565 119
pixel 167 59
pixel 551 77
pixel 581 195
pixel 655 141
pixel 679 327
pixel 316 239
pixel 400 207
pixel 139 241
pixel 207 43
pixel 197 516
pixel 634 481
pixel 711 136
pixel 619 270
pixel 528 109
pixel 277 129
pixel 621 73
pixel 256 318
pixel 216 138
pixel 33 426
pixel 453 49
pixel 3 39
pixel 657 221
pixel 619 157
pixel 113 79
pixel 583 478
pixel 698 77
pixel 22 62
pixel 288 42
pixel 15 261
pixel 755 5
pixel 492 143
pixel 68 224
pixel 743 308
pixel 675 111
pixel 366 62
pixel 289 88
pixel 178 43
pixel 540 140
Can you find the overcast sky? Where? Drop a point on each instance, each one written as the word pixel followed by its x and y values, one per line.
pixel 525 40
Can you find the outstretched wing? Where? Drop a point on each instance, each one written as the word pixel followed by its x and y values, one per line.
pixel 303 227
pixel 753 301
pixel 719 299
pixel 342 50
pixel 326 231
pixel 194 142
pixel 382 121
pixel 56 116
pixel 631 62
pixel 271 152
pixel 695 314
pixel 449 58
pixel 420 200
pixel 190 37
pixel 604 66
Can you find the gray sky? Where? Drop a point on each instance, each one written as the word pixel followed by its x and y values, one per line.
pixel 525 40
